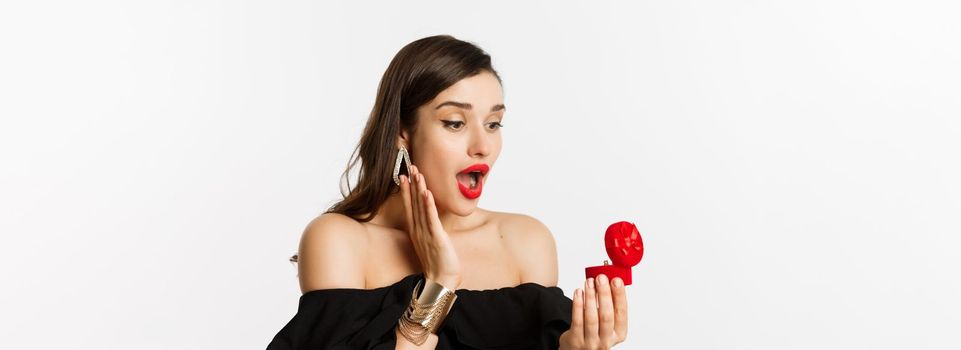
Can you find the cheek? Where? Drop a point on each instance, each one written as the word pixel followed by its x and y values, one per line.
pixel 436 170
pixel 435 157
pixel 496 149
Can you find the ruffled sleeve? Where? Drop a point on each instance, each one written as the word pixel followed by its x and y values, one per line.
pixel 528 316
pixel 346 318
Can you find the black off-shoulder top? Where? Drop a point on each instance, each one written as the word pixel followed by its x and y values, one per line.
pixel 527 316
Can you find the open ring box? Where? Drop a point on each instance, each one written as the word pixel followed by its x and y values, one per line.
pixel 624 247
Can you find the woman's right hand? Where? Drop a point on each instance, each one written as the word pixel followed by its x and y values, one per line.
pixel 598 317
pixel 431 243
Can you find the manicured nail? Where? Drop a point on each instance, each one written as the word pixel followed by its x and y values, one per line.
pixel 601 279
pixel 577 293
pixel 618 282
pixel 590 283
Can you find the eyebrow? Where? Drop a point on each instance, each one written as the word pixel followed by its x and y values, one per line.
pixel 468 106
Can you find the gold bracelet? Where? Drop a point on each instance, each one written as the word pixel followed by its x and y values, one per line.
pixel 426 312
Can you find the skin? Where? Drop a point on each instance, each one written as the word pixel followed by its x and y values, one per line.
pixel 430 226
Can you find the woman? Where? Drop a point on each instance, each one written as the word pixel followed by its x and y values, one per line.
pixel 407 260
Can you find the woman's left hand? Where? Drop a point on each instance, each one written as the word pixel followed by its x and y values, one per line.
pixel 598 317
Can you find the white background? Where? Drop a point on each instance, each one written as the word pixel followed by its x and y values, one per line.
pixel 793 166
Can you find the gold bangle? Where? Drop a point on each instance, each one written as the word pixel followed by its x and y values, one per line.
pixel 426 312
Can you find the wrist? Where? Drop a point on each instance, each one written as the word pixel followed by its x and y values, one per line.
pixel 448 281
pixel 429 305
pixel 402 343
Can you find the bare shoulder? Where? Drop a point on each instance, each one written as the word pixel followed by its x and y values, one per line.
pixel 532 245
pixel 331 253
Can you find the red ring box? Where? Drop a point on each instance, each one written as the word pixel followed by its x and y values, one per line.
pixel 624 247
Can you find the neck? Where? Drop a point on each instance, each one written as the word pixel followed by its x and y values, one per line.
pixel 392 214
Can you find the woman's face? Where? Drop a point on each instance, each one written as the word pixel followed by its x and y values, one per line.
pixel 458 129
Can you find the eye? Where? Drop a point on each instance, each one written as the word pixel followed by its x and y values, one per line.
pixel 455 123
pixel 495 125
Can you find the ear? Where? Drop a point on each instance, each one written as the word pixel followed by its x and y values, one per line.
pixel 404 139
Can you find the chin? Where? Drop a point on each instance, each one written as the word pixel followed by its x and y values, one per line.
pixel 460 206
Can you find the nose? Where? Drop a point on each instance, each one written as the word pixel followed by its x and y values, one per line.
pixel 480 143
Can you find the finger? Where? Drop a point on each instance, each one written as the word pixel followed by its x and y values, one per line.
pixel 425 214
pixel 605 310
pixel 421 206
pixel 433 219
pixel 590 313
pixel 415 201
pixel 405 194
pixel 577 315
pixel 620 309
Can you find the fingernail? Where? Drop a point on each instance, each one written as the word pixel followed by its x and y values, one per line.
pixel 590 282
pixel 618 282
pixel 601 279
pixel 577 293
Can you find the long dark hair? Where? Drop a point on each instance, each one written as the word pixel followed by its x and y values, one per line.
pixel 417 74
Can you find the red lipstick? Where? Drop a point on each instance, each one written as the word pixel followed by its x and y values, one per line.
pixel 473 174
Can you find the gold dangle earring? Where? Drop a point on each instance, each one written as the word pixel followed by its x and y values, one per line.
pixel 401 155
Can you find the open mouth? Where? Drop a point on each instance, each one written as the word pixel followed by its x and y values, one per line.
pixel 470 181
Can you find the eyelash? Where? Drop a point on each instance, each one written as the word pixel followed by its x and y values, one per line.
pixel 449 123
